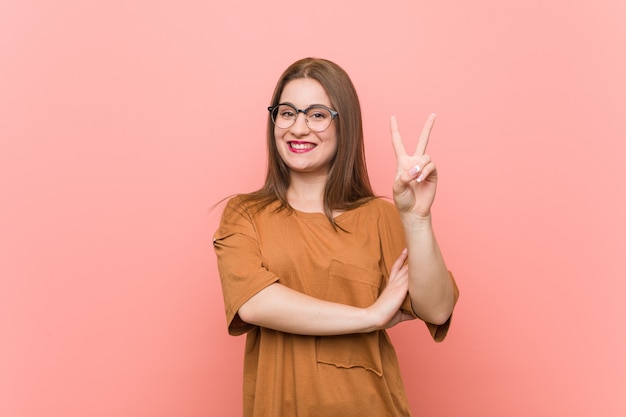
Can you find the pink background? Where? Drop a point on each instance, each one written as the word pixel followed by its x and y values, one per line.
pixel 123 122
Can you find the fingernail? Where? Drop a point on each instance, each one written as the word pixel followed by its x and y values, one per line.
pixel 420 178
pixel 415 170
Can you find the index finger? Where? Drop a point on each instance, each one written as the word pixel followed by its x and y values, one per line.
pixel 423 140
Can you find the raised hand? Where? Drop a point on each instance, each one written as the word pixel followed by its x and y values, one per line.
pixel 416 178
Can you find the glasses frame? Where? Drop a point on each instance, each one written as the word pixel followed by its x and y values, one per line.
pixel 333 114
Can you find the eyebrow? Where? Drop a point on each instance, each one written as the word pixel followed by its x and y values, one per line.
pixel 309 106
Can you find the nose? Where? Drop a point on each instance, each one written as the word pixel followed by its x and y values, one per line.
pixel 300 126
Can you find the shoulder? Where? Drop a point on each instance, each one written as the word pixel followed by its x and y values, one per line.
pixel 374 212
pixel 236 210
pixel 386 214
pixel 381 205
pixel 240 216
pixel 249 204
pixel 236 202
pixel 234 206
pixel 244 208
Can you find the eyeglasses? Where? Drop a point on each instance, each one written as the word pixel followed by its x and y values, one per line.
pixel 317 117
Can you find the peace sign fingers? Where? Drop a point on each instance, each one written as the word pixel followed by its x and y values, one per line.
pixel 396 140
pixel 423 140
pixel 422 143
pixel 416 177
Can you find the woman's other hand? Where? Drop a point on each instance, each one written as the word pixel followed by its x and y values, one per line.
pixel 385 312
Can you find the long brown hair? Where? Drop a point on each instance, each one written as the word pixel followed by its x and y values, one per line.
pixel 348 184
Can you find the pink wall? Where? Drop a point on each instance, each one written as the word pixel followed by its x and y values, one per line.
pixel 122 123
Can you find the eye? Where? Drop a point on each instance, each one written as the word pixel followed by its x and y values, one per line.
pixel 286 112
pixel 318 114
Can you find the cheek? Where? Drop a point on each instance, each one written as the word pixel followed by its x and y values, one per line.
pixel 279 148
pixel 278 137
pixel 335 143
pixel 279 134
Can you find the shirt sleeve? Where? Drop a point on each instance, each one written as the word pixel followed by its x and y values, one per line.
pixel 240 263
pixel 393 241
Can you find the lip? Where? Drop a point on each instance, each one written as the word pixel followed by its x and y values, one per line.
pixel 300 146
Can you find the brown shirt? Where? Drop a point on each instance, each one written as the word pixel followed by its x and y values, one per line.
pixel 294 375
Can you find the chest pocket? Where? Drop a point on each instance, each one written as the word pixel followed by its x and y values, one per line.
pixel 352 285
pixel 359 287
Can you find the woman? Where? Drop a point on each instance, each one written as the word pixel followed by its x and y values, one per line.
pixel 313 264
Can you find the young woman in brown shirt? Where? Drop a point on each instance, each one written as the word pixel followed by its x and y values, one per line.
pixel 314 267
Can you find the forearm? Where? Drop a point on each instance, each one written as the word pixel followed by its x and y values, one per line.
pixel 281 308
pixel 430 285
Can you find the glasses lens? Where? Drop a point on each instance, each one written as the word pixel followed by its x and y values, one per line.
pixel 284 116
pixel 318 118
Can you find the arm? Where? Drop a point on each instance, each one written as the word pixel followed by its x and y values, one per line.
pixel 431 288
pixel 281 308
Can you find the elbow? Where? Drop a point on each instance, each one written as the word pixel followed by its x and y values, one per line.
pixel 260 307
pixel 442 314
pixel 436 311
pixel 440 318
pixel 437 316
pixel 253 311
pixel 246 313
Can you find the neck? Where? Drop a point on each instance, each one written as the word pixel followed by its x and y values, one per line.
pixel 306 192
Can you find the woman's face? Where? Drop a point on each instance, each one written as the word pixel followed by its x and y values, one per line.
pixel 302 149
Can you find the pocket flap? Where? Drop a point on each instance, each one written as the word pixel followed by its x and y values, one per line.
pixel 351 350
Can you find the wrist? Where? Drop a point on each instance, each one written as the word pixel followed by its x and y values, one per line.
pixel 413 221
pixel 370 320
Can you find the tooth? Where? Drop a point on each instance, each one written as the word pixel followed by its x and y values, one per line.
pixel 301 145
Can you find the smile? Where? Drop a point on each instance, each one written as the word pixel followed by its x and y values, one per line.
pixel 301 146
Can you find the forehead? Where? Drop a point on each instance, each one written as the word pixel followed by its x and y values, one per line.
pixel 304 92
